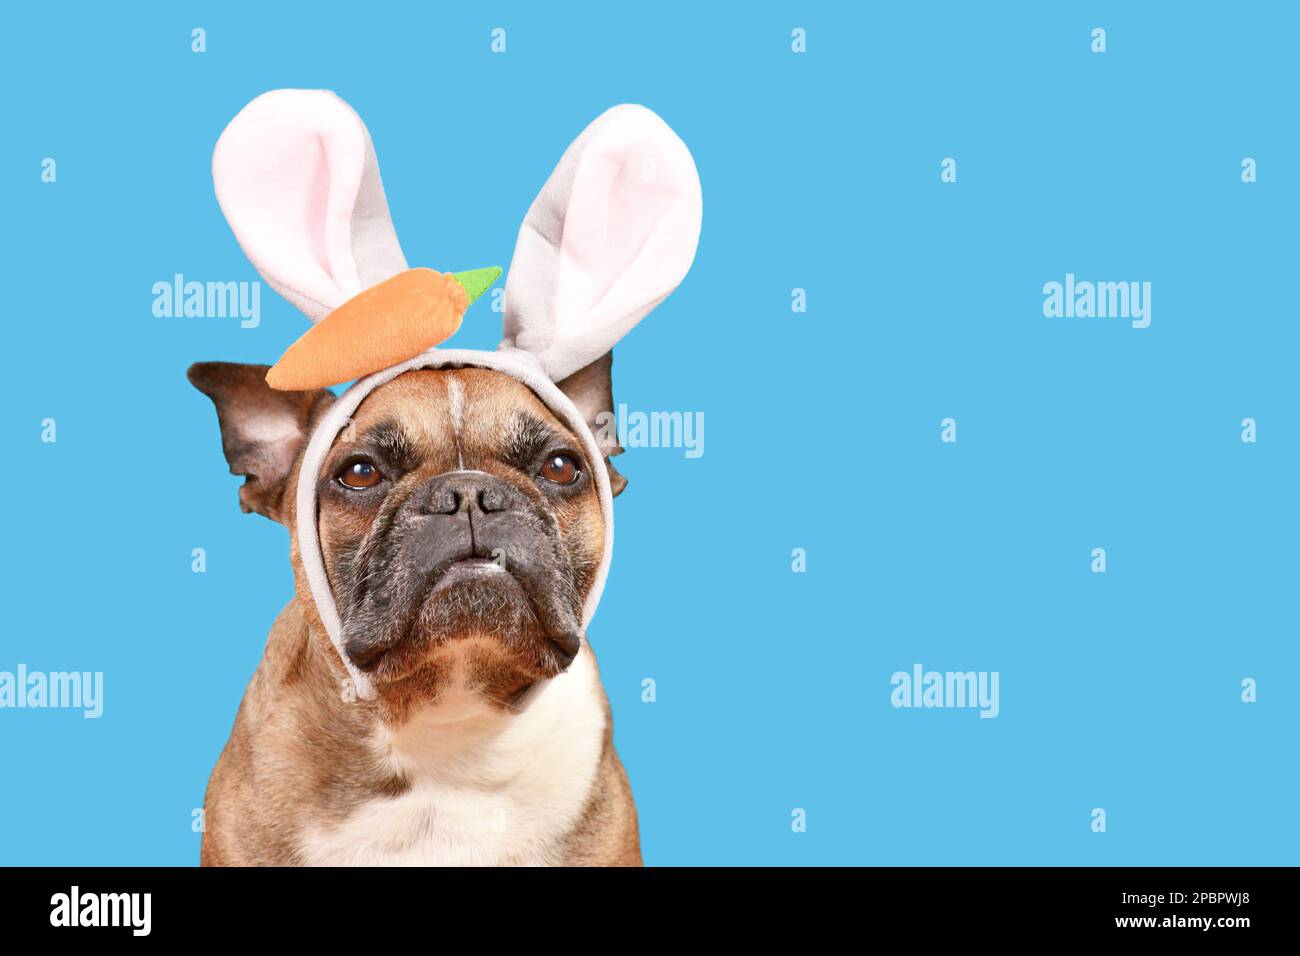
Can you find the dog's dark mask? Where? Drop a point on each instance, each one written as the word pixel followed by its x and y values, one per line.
pixel 459 520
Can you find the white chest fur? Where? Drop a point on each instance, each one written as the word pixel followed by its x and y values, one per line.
pixel 486 789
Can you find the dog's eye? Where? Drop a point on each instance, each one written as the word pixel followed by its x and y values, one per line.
pixel 561 469
pixel 360 474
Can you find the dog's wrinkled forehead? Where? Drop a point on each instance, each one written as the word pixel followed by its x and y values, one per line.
pixel 453 419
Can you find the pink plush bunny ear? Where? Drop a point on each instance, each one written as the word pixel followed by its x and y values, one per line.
pixel 611 234
pixel 298 181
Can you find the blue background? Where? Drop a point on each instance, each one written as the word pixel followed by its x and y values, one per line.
pixel 820 171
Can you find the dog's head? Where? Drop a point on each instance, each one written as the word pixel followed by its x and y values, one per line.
pixel 451 513
pixel 458 519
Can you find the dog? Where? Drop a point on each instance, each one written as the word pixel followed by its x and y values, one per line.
pixel 430 696
pixel 490 740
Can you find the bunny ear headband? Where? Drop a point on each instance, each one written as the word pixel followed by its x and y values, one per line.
pixel 611 234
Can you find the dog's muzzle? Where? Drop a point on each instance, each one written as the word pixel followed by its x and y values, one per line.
pixel 464 528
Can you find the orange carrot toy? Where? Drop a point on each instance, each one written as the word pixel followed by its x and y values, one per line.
pixel 386 324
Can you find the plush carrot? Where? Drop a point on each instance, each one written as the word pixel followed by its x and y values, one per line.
pixel 380 327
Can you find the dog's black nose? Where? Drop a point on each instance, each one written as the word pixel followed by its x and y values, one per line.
pixel 464 492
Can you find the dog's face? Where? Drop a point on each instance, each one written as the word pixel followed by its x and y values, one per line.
pixel 458 508
pixel 459 522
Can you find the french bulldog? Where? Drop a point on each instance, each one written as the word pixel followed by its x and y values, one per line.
pixel 430 695
pixel 460 529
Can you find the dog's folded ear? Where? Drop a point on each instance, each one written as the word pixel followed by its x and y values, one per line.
pixel 262 429
pixel 591 390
